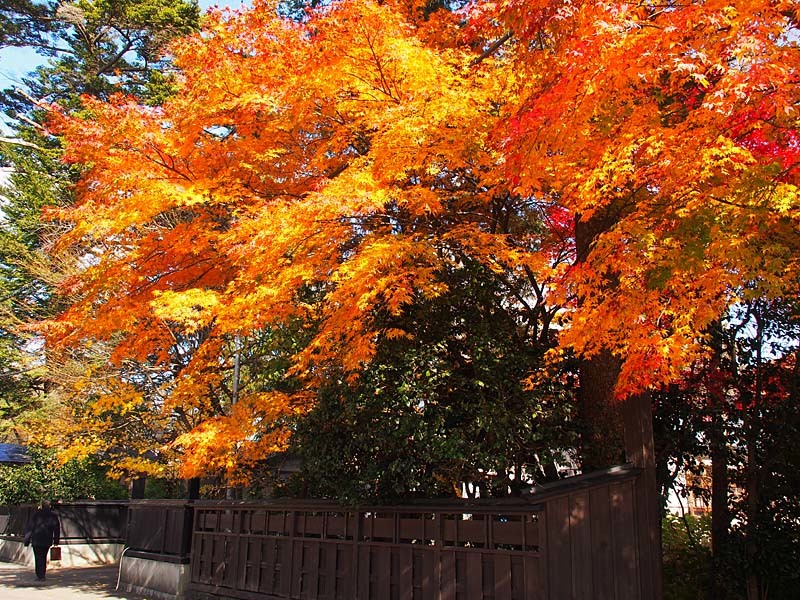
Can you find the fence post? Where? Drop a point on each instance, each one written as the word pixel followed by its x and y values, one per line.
pixel 640 451
pixel 356 545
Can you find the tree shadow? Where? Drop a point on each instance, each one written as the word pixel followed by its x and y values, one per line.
pixel 99 582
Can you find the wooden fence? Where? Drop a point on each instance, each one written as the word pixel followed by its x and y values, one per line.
pixel 81 522
pixel 579 538
pixel 573 539
pixel 160 530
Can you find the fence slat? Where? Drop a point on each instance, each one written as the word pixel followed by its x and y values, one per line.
pixel 535 579
pixel 267 566
pixel 502 576
pixel 580 535
pixel 602 559
pixel 473 575
pixel 286 576
pixel 364 568
pixel 559 555
pixel 429 582
pixel 343 574
pixel 624 550
pixel 448 582
pixel 381 566
pixel 403 572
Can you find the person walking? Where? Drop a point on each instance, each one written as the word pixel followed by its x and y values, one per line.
pixel 42 531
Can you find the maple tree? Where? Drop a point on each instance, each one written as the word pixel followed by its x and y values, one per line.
pixel 262 237
pixel 668 131
pixel 326 171
pixel 232 210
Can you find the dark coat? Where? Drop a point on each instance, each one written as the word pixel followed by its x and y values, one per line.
pixel 43 529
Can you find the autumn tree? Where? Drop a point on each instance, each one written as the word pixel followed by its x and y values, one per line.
pixel 328 171
pixel 664 216
pixel 239 216
pixel 669 132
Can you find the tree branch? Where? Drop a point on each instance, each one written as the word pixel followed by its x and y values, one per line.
pixel 18 142
pixel 491 49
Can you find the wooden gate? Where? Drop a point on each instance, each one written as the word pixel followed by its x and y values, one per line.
pixel 573 539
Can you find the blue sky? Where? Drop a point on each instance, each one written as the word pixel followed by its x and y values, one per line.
pixel 16 62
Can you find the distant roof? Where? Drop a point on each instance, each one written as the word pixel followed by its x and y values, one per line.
pixel 14 454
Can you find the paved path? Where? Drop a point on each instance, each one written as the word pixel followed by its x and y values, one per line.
pixel 18 582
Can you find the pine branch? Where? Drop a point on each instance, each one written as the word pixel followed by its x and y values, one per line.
pixel 18 142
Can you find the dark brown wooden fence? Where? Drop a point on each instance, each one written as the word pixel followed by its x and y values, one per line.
pixel 576 539
pixel 573 539
pixel 160 530
pixel 81 522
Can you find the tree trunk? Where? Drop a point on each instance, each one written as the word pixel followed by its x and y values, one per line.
pixel 193 488
pixel 720 516
pixel 752 429
pixel 603 429
pixel 600 422
pixel 138 487
pixel 628 424
pixel 751 547
pixel 752 505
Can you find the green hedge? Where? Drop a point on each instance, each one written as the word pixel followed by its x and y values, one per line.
pixel 45 478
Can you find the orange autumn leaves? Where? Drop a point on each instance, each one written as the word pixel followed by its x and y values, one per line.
pixel 299 174
pixel 324 173
pixel 633 124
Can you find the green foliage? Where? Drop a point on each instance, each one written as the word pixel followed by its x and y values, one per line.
pixel 444 407
pixel 96 47
pixel 776 538
pixel 745 392
pixel 685 543
pixel 38 179
pixel 46 478
pixel 26 22
pixel 159 488
pixel 768 526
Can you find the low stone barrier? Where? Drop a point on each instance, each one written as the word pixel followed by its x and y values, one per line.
pixel 156 559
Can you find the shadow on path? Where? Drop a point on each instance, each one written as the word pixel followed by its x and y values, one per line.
pixel 72 582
